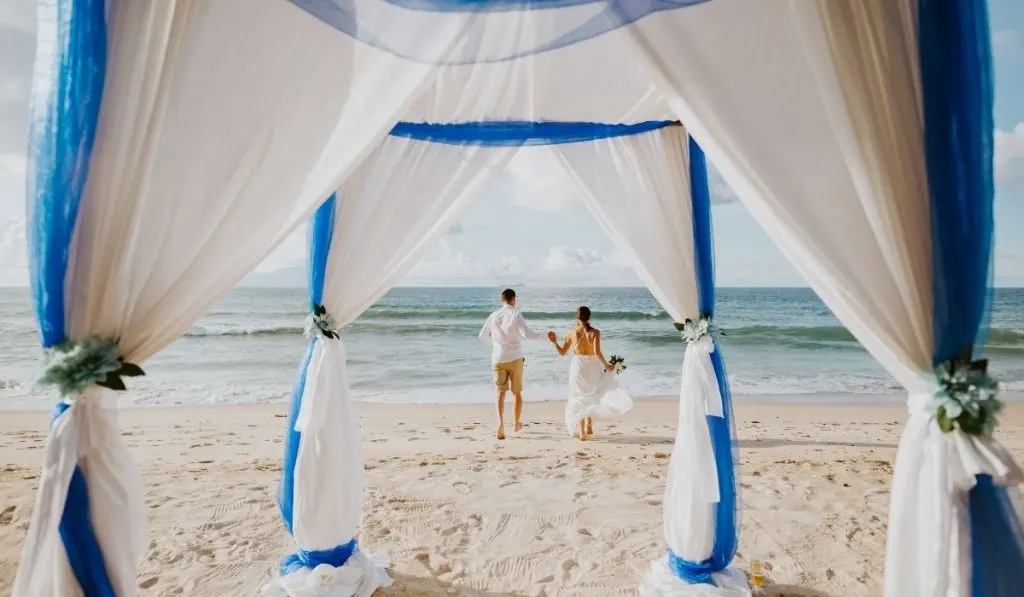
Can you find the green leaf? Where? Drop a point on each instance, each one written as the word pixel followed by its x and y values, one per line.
pixel 979 365
pixel 112 381
pixel 971 425
pixel 679 326
pixel 131 370
pixel 945 423
pixel 319 310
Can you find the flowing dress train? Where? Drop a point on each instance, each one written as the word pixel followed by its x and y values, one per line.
pixel 593 392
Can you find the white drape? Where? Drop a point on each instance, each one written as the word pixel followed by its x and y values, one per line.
pixel 638 188
pixel 213 144
pixel 393 209
pixel 812 113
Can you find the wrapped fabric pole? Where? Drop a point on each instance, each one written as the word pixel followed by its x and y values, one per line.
pixel 342 568
pixel 701 493
pixel 68 551
pixel 667 237
pixel 362 240
pixel 956 491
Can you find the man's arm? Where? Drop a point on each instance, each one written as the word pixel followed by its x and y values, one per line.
pixel 485 332
pixel 526 331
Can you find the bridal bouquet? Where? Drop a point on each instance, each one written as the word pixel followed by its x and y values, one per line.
pixel 618 363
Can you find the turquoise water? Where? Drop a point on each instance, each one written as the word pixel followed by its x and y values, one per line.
pixel 420 345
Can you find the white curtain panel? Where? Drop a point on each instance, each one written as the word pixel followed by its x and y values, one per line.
pixel 213 144
pixel 812 112
pixel 393 209
pixel 638 188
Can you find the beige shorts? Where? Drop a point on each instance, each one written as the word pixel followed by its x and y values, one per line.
pixel 509 374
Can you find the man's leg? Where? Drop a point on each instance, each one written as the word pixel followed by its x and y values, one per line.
pixel 501 414
pixel 517 391
pixel 501 380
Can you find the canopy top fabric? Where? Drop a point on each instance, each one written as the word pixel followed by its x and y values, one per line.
pixel 488 31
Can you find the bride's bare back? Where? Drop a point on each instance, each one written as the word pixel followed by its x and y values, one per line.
pixel 584 341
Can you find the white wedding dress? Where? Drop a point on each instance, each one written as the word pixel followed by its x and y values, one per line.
pixel 593 392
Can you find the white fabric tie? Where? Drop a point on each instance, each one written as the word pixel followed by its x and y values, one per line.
pixel 698 399
pixel 699 377
pixel 935 471
pixel 315 402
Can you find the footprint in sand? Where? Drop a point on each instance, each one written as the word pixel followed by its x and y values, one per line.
pixel 7 515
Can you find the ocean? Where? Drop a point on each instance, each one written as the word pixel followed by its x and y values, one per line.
pixel 419 345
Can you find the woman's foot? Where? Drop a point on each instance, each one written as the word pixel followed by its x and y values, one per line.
pixel 583 431
pixel 590 426
pixel 519 426
pixel 501 433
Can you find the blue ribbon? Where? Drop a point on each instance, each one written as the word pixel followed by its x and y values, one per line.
pixel 516 133
pixel 336 557
pixel 321 229
pixel 692 572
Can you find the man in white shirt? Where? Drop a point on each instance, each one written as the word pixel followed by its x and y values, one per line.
pixel 506 328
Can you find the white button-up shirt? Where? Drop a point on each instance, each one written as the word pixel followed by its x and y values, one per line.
pixel 506 328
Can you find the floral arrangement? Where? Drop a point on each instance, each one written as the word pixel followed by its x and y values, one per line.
pixel 320 321
pixel 618 363
pixel 73 366
pixel 966 398
pixel 695 329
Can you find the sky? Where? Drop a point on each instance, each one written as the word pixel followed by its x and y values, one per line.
pixel 529 226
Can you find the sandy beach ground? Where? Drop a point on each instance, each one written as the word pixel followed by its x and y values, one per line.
pixel 461 513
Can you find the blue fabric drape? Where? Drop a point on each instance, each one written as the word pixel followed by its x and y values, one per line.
pixel 956 75
pixel 722 429
pixel 515 133
pixel 321 229
pixel 335 557
pixel 65 114
pixel 564 24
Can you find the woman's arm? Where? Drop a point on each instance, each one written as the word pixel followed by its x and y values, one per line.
pixel 562 350
pixel 597 349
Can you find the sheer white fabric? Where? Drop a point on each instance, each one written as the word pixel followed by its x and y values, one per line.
pixel 593 392
pixel 394 208
pixel 822 140
pixel 638 188
pixel 595 81
pixel 212 146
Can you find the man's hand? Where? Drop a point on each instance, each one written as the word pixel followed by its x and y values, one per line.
pixel 553 337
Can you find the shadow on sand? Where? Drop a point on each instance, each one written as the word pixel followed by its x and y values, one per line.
pixel 791 591
pixel 746 443
pixel 433 587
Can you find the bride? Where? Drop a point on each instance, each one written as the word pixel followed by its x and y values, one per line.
pixel 593 391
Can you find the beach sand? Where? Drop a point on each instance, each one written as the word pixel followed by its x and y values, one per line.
pixel 461 513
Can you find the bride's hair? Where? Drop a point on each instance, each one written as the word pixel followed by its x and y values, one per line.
pixel 583 315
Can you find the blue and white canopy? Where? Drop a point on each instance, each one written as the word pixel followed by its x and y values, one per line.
pixel 175 144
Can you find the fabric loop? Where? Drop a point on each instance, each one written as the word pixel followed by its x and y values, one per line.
pixel 697 363
pixel 335 557
pixel 692 572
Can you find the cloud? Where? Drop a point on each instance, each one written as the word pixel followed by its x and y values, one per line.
pixel 535 180
pixel 17 50
pixel 567 266
pixel 13 253
pixel 447 266
pixel 1009 158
